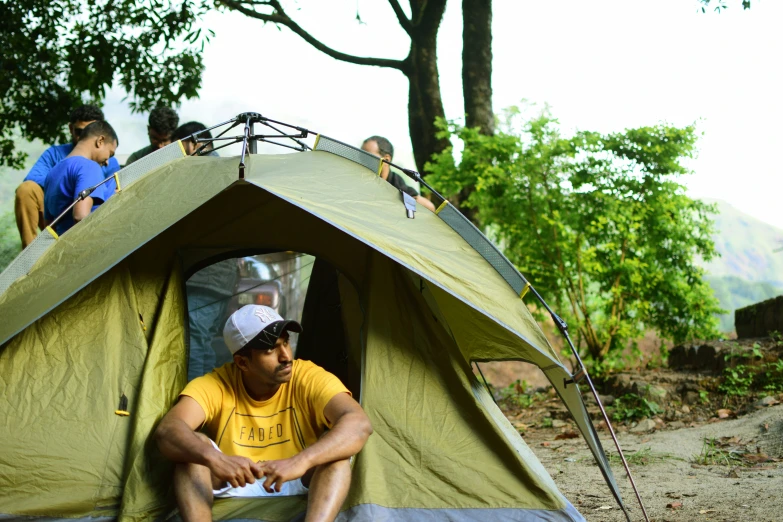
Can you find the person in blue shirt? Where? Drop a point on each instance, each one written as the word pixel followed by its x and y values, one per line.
pixel 79 171
pixel 29 200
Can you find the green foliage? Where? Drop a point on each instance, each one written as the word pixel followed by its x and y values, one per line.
pixel 641 457
pixel 631 407
pixel 713 454
pixel 737 380
pixel 751 374
pixel 598 222
pixel 10 244
pixel 516 395
pixel 59 53
pixel 742 379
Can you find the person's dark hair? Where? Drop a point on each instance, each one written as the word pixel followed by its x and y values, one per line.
pixel 245 350
pixel 86 113
pixel 163 120
pixel 186 129
pixel 99 128
pixel 384 145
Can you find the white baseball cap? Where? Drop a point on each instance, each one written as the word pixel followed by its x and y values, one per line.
pixel 256 325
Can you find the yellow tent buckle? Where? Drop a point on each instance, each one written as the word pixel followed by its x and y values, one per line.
pixel 122 411
pixel 524 290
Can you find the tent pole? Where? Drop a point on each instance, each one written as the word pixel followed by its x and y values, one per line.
pixel 581 374
pixel 80 197
pixel 486 384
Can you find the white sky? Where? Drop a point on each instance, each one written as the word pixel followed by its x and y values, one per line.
pixel 601 65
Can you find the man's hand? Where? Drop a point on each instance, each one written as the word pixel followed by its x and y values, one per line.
pixel 278 472
pixel 237 471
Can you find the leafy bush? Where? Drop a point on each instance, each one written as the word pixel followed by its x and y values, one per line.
pixel 738 380
pixel 600 223
pixel 631 407
pixel 741 379
pixel 517 395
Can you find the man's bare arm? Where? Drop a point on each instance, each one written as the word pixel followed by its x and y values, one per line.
pixel 426 203
pixel 176 433
pixel 178 441
pixel 350 430
pixel 82 209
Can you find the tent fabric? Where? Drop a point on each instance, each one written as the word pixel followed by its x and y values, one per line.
pixel 444 452
pixel 65 451
pixel 417 304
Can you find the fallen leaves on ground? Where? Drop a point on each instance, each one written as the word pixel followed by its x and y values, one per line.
pixel 674 505
pixel 567 435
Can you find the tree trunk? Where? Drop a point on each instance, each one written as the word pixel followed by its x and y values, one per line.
pixel 476 79
pixel 477 64
pixel 420 67
pixel 424 100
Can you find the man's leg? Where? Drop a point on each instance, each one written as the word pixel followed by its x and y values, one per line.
pixel 193 487
pixel 28 207
pixel 328 488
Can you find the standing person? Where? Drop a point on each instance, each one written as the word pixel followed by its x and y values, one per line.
pixel 288 423
pixel 161 125
pixel 381 147
pixel 29 200
pixel 79 171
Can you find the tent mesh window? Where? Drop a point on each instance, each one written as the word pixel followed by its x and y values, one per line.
pixel 488 251
pixel 25 261
pixel 348 152
pixel 139 168
pixel 279 280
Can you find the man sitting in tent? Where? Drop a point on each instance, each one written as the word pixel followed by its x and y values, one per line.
pixel 79 171
pixel 29 201
pixel 264 416
pixel 381 147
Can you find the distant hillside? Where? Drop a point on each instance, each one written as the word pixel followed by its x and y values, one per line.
pixel 749 270
pixel 746 246
pixel 734 292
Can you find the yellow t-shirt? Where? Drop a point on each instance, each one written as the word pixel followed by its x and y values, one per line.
pixel 277 428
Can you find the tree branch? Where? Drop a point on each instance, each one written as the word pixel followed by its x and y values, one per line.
pixel 404 21
pixel 281 18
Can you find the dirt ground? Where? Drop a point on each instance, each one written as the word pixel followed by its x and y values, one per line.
pixel 704 455
pixel 718 492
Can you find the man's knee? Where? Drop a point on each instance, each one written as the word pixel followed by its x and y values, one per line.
pixel 339 470
pixel 29 190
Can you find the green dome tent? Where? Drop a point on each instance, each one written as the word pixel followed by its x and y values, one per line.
pixel 101 313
